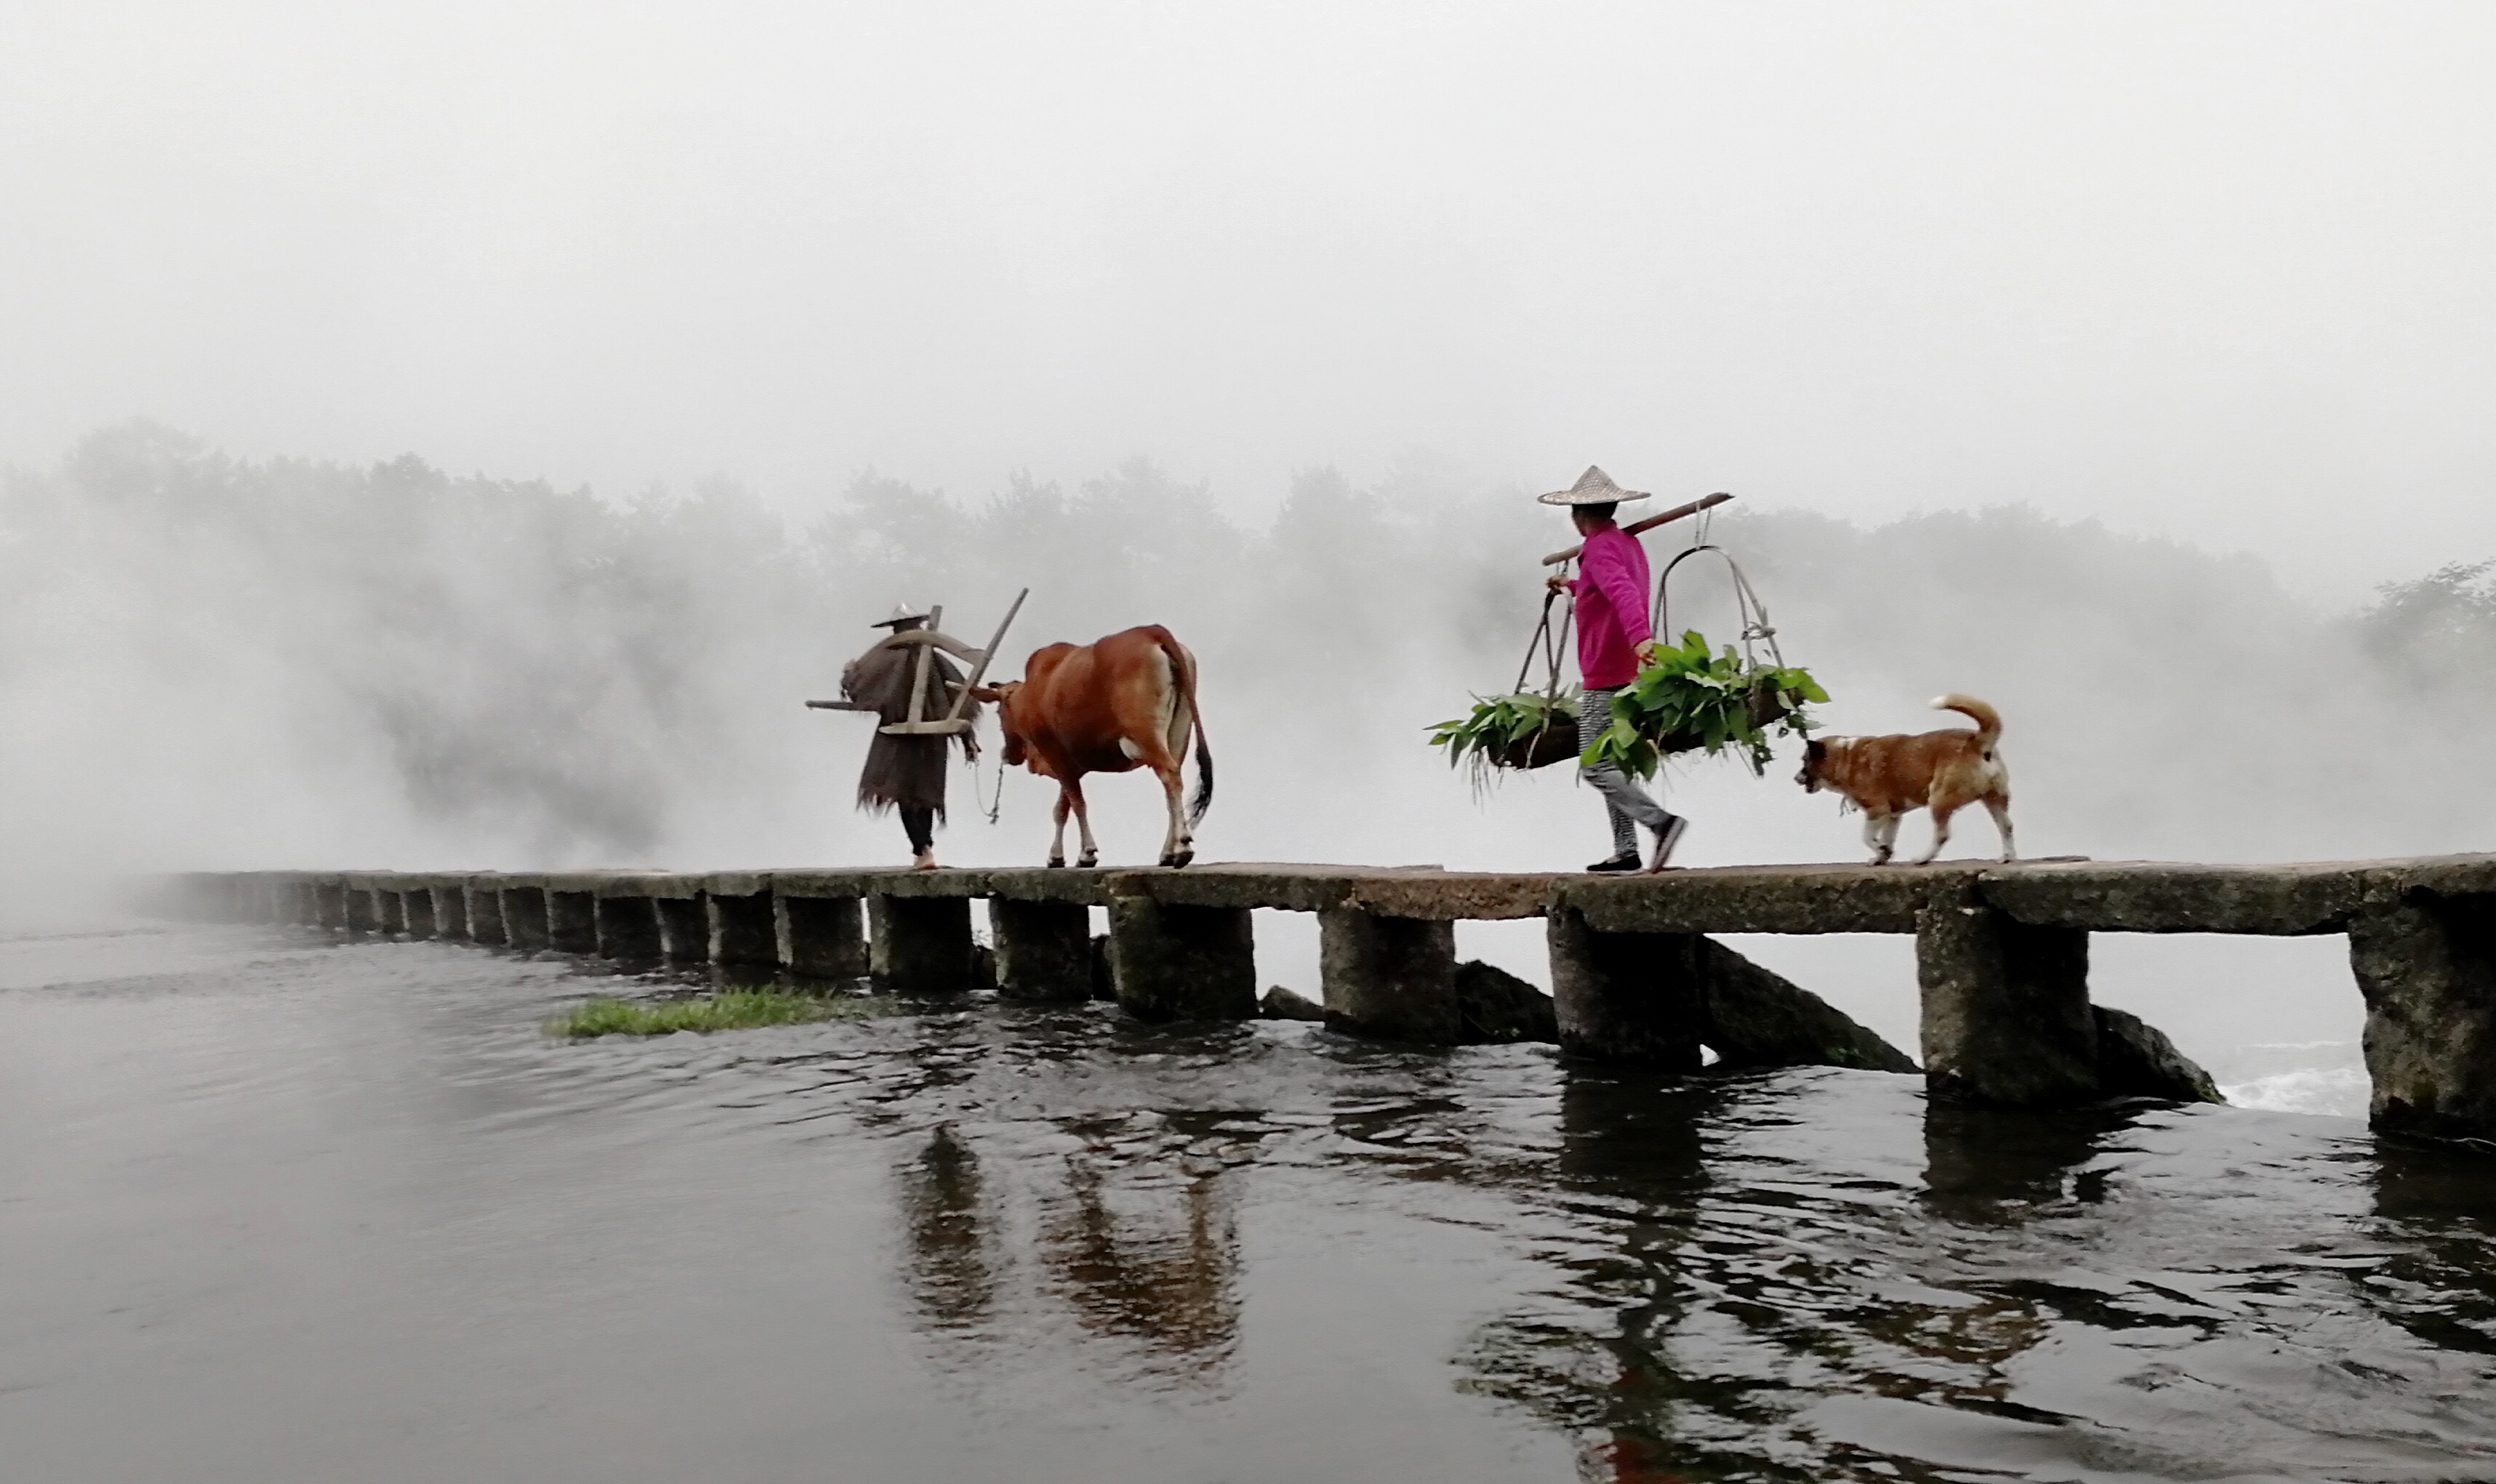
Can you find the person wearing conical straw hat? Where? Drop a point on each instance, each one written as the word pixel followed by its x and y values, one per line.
pixel 906 772
pixel 1613 639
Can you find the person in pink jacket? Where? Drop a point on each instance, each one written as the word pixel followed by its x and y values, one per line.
pixel 1614 640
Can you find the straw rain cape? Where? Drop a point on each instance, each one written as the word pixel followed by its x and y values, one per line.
pixel 904 770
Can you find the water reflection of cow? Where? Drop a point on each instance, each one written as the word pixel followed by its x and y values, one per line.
pixel 1138 1249
pixel 1120 703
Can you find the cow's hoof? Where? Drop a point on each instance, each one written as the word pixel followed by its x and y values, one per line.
pixel 1058 864
pixel 1086 862
pixel 1178 859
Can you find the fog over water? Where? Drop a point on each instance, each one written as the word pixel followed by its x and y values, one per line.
pixel 463 437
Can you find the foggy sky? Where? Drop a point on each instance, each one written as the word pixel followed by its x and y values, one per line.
pixel 2212 271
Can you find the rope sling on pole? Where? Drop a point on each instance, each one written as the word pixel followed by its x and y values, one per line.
pixel 1754 614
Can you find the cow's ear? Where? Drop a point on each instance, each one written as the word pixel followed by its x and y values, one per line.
pixel 986 695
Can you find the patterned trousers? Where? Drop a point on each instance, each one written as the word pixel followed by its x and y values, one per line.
pixel 1628 805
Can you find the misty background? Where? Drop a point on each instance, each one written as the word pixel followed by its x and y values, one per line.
pixel 463 437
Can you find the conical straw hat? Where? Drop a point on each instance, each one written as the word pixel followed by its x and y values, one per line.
pixel 902 612
pixel 1593 488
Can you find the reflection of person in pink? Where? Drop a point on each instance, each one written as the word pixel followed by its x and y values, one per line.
pixel 1613 639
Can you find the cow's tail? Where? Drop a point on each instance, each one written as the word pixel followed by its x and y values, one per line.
pixel 1183 666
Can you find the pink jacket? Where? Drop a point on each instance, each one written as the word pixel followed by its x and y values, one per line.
pixel 1610 589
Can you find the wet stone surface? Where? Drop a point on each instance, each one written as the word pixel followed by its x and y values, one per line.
pixel 282 1207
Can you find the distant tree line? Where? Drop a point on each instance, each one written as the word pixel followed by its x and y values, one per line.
pixel 579 676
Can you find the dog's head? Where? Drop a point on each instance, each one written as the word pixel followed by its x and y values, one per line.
pixel 1814 755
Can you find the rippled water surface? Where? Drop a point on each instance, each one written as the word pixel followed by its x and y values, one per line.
pixel 273 1207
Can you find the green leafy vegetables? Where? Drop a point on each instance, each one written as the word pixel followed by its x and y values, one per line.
pixel 1685 699
pixel 1521 731
pixel 1692 697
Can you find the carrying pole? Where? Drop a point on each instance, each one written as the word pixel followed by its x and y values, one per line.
pixel 1678 511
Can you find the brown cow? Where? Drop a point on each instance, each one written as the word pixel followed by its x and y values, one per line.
pixel 1111 706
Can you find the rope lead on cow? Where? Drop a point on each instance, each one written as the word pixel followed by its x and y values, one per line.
pixel 996 798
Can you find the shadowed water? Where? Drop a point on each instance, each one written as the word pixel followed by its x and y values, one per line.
pixel 275 1208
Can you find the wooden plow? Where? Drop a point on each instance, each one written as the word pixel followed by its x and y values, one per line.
pixel 929 640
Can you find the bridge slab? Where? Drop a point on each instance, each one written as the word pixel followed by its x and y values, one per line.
pixel 1762 898
pixel 2157 897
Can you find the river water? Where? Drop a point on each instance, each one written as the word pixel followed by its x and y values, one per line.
pixel 273 1207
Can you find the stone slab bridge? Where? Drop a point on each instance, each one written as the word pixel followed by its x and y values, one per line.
pixel 2001 950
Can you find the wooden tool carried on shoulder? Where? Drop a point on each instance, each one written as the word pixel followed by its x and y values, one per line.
pixel 929 639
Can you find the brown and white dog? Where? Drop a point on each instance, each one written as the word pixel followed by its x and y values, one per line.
pixel 1888 777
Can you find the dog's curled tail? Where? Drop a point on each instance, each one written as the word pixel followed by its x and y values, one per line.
pixel 1988 721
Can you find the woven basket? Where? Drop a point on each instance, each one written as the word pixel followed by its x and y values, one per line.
pixel 1554 743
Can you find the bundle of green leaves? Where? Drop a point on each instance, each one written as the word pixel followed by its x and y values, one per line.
pixel 1526 730
pixel 1689 697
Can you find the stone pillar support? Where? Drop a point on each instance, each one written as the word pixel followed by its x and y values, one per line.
pixel 524 917
pixel 572 922
pixel 628 929
pixel 484 914
pixel 821 938
pixel 1182 964
pixel 416 911
pixel 2427 965
pixel 684 928
pixel 1634 998
pixel 1390 977
pixel 741 932
pixel 390 910
pixel 920 943
pixel 1044 949
pixel 450 911
pixel 2006 1009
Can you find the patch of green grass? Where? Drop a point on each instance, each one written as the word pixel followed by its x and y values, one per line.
pixel 726 1010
